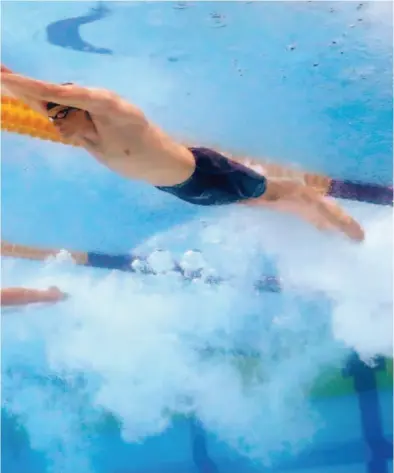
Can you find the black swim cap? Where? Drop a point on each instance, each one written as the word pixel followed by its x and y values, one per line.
pixel 51 105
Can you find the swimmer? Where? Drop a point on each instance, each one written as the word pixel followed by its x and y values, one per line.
pixel 121 137
pixel 20 296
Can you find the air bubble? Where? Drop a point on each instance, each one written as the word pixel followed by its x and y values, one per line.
pixel 160 261
pixel 192 261
pixel 139 266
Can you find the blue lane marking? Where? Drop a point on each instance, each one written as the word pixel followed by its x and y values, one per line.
pixel 102 260
pixel 370 411
pixel 201 458
pixel 65 33
pixel 380 448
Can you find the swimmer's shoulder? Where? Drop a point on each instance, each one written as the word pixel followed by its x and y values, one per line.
pixel 117 109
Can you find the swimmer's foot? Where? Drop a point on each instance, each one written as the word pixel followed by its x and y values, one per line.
pixel 307 203
pixel 328 215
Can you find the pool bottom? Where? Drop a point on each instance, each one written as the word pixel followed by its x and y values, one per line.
pixel 365 443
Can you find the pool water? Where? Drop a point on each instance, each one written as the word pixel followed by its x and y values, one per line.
pixel 141 373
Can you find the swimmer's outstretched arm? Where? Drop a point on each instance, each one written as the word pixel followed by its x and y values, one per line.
pixel 93 100
pixel 18 296
pixel 17 93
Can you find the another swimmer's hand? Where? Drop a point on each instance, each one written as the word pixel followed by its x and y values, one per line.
pixel 57 295
pixel 21 296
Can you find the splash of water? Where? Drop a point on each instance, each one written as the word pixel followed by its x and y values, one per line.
pixel 145 347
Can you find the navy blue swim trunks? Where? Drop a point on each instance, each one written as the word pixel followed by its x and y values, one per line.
pixel 218 180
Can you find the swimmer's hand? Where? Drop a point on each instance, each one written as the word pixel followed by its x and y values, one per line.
pixel 5 69
pixel 21 296
pixel 4 89
pixel 12 88
pixel 56 294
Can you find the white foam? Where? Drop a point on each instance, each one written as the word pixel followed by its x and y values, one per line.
pixel 136 338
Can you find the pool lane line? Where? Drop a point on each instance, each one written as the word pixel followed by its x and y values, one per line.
pixel 126 263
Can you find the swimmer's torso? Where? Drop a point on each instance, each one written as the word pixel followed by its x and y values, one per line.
pixel 139 150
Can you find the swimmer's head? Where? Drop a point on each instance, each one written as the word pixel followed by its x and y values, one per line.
pixel 71 122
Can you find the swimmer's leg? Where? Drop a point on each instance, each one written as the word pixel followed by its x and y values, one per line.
pixel 307 203
pixel 277 171
pixel 287 191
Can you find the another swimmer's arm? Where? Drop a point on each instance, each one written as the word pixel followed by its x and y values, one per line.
pixel 16 296
pixel 96 101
